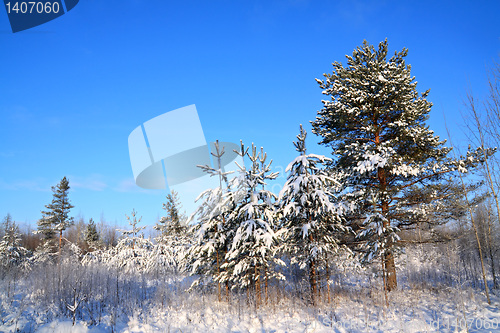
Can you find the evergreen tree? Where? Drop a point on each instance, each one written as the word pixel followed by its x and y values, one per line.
pixel 131 236
pixel 171 226
pixel 375 123
pixel 210 237
pixel 250 259
pixel 311 217
pixel 91 234
pixel 45 228
pixel 56 218
pixel 6 224
pixel 43 255
pixel 12 253
pixel 133 251
pixel 173 241
pixel 132 254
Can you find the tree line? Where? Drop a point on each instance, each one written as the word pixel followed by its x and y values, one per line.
pixel 390 184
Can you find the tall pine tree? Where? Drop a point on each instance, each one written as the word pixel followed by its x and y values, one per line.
pixel 393 166
pixel 56 218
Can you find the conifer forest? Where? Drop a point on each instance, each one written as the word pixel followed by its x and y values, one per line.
pixel 395 230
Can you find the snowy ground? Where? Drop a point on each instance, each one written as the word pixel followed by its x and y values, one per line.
pixel 360 311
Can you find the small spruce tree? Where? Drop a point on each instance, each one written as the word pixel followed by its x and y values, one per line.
pixel 132 253
pixel 172 241
pixel 311 217
pixel 210 237
pixel 91 235
pixel 171 226
pixel 12 253
pixel 250 259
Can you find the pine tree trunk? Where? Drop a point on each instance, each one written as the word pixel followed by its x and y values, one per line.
pixel 257 286
pixel 384 278
pixel 318 285
pixel 390 269
pixel 312 281
pixel 218 273
pixel 388 257
pixel 225 261
pixel 266 285
pixel 312 271
pixel 327 279
pixel 60 244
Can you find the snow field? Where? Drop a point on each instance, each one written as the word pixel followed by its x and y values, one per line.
pixel 351 309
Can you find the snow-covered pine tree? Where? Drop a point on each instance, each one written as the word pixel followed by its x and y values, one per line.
pixel 91 235
pixel 135 233
pixel 6 223
pixel 210 238
pixel 173 223
pixel 310 214
pixel 45 228
pixel 132 253
pixel 55 219
pixel 43 255
pixel 172 241
pixel 12 253
pixel 375 124
pixel 250 259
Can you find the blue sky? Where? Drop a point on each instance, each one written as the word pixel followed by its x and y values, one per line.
pixel 74 88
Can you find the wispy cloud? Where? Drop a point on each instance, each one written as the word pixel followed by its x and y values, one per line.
pixel 128 185
pixel 38 184
pixel 94 182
